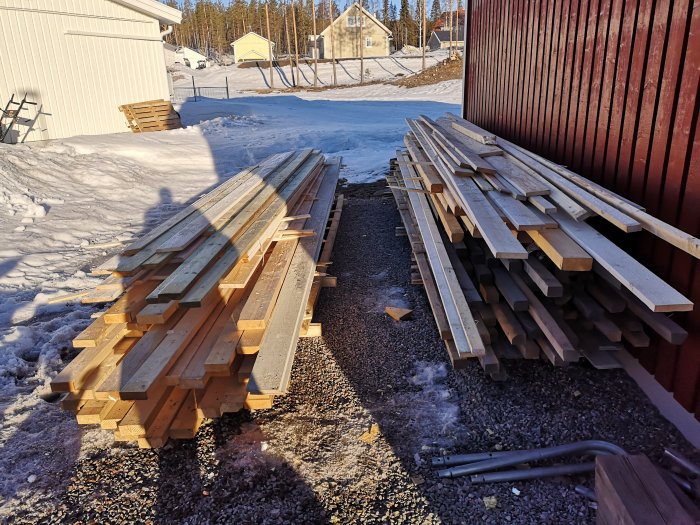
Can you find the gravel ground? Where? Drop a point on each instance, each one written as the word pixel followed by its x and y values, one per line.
pixel 316 457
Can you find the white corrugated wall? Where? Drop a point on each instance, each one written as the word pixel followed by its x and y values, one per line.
pixel 79 60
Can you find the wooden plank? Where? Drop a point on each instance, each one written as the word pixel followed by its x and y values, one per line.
pixel 274 362
pixel 255 237
pixel 464 332
pixel 142 413
pixel 668 329
pixel 658 295
pixel 510 325
pixel 248 224
pixel 431 179
pixel 110 388
pixel 548 284
pixel 510 291
pixel 518 214
pixel 482 215
pixel 232 203
pixel 450 223
pixel 472 130
pixel 541 203
pixel 143 381
pixel 562 250
pixel 519 178
pixel 157 433
pixel 259 305
pixel 156 313
pixel 605 210
pixel 87 361
pixel 549 326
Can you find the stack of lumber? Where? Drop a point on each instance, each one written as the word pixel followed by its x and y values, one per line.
pixel 509 264
pixel 631 490
pixel 152 115
pixel 209 305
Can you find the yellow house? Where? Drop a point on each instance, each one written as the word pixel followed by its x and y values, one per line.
pixel 342 38
pixel 252 46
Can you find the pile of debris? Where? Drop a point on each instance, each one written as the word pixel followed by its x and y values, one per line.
pixel 510 266
pixel 209 305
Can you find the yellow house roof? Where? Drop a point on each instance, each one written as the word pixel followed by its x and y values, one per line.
pixel 252 34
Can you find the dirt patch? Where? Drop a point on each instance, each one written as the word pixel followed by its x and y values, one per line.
pixel 448 69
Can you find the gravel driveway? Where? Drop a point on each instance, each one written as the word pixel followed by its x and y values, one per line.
pixel 316 457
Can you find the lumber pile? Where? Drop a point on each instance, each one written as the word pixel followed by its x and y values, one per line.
pixel 209 305
pixel 509 264
pixel 152 115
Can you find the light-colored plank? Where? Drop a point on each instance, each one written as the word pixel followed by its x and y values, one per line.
pixel 654 292
pixel 562 250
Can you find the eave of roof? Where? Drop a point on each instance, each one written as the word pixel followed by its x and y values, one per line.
pixel 161 12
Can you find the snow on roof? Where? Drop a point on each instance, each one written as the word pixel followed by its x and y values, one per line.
pixel 161 12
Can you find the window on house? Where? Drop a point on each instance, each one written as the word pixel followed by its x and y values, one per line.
pixel 354 21
pixel 368 42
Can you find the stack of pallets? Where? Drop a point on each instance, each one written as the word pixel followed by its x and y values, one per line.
pixel 209 305
pixel 510 265
pixel 152 115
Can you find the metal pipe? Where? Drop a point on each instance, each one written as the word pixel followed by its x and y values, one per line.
pixel 682 461
pixel 586 492
pixel 167 31
pixel 526 456
pixel 461 459
pixel 533 473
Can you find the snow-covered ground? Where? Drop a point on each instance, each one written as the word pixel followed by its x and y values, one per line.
pixel 68 203
pixel 398 65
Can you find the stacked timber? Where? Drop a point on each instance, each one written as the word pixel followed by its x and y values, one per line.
pixel 509 264
pixel 209 305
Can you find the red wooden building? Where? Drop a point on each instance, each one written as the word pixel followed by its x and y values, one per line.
pixel 610 89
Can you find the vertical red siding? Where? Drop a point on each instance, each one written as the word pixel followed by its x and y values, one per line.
pixel 611 89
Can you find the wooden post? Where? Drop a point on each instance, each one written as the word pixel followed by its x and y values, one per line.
pixel 227 93
pixel 194 89
pixel 362 45
pixel 313 22
pixel 330 10
pixel 451 28
pixel 289 44
pixel 425 28
pixel 296 43
pixel 269 46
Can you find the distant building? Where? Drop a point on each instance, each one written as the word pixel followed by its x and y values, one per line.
pixel 457 20
pixel 346 36
pixel 80 60
pixel 252 46
pixel 441 39
pixel 191 58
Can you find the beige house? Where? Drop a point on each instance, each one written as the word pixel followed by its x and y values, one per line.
pixel 345 33
pixel 79 60
pixel 252 46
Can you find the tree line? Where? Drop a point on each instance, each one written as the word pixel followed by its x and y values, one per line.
pixel 210 26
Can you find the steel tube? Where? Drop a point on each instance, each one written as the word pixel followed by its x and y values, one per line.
pixel 461 459
pixel 526 456
pixel 533 473
pixel 681 460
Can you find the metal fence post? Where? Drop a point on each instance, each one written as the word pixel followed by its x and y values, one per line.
pixel 194 90
pixel 227 95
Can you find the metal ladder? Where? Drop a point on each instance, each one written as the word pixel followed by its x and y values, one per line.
pixel 10 116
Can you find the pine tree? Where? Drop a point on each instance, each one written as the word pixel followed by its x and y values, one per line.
pixel 435 11
pixel 385 12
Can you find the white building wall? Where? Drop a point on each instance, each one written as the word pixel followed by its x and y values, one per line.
pixel 79 60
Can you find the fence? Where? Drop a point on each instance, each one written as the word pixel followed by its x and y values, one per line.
pixel 609 88
pixel 195 92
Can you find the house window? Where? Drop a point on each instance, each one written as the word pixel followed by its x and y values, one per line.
pixel 354 21
pixel 368 42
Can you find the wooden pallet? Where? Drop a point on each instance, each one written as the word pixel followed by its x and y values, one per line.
pixel 152 115
pixel 509 264
pixel 206 301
